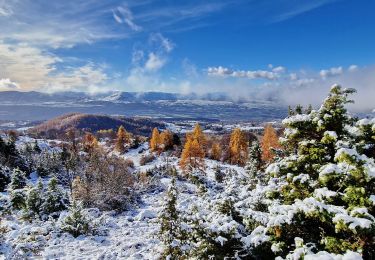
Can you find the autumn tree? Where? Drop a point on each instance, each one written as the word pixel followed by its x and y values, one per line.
pixel 71 137
pixel 90 143
pixel 155 140
pixel 198 135
pixel 166 139
pixel 269 141
pixel 194 149
pixel 238 147
pixel 123 138
pixel 216 151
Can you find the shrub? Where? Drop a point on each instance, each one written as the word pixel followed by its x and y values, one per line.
pixel 145 159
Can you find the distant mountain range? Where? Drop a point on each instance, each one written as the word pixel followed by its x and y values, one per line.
pixel 38 97
pixel 212 106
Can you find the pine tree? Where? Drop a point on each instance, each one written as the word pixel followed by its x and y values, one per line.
pixel 325 194
pixel 171 233
pixel 15 188
pixel 34 200
pixel 5 174
pixel 54 198
pixel 18 180
pixel 155 140
pixel 269 141
pixel 254 161
pixel 76 223
pixel 122 139
pixel 36 147
pixel 17 198
pixel 238 147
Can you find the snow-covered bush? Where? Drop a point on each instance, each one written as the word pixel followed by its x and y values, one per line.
pixel 77 222
pixel 325 185
pixel 172 231
pixel 55 200
pixel 5 174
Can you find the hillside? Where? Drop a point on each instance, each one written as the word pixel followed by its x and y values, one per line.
pixel 93 123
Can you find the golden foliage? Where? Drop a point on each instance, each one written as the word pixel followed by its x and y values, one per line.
pixel 238 146
pixel 123 138
pixel 155 140
pixel 90 143
pixel 216 151
pixel 194 149
pixel 270 140
pixel 166 139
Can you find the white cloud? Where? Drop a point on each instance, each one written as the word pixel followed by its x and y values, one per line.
pixel 293 76
pixel 7 84
pixel 279 69
pixel 353 68
pixel 164 42
pixel 256 74
pixel 154 62
pixel 123 15
pixel 335 71
pixel 34 69
pixel 298 9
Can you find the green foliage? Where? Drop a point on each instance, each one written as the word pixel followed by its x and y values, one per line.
pixel 17 199
pixel 54 198
pixel 76 223
pixel 171 232
pixel 324 167
pixel 18 180
pixel 34 199
pixel 5 174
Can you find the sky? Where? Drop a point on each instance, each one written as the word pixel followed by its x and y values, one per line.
pixel 290 49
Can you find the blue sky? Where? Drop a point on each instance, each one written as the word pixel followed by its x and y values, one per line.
pixel 256 48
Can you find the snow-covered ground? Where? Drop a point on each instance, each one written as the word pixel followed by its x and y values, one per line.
pixel 129 235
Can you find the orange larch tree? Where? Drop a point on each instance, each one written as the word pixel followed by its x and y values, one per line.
pixel 270 140
pixel 166 139
pixel 123 138
pixel 194 149
pixel 216 151
pixel 90 143
pixel 155 140
pixel 238 145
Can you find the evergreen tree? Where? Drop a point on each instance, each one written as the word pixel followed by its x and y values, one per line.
pixel 15 188
pixel 54 198
pixel 34 200
pixel 5 174
pixel 254 161
pixel 325 191
pixel 18 180
pixel 17 198
pixel 76 223
pixel 36 147
pixel 171 233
